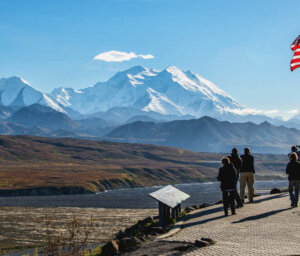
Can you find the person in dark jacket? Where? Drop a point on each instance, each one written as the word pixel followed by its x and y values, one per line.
pixel 295 149
pixel 228 177
pixel 247 175
pixel 293 170
pixel 236 161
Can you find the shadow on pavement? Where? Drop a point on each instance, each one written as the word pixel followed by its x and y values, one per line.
pixel 204 213
pixel 261 216
pixel 268 198
pixel 202 221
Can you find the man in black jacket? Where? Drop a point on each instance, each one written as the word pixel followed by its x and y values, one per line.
pixel 247 175
pixel 228 177
pixel 293 170
pixel 236 161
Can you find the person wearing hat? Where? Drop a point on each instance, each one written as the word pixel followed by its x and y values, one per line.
pixel 247 175
pixel 228 177
pixel 293 171
pixel 294 148
pixel 236 161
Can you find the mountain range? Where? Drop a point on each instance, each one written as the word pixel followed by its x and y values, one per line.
pixel 209 135
pixel 167 107
pixel 169 92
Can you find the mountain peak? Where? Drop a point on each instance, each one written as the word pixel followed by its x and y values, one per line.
pixel 136 70
pixel 173 69
pixel 15 79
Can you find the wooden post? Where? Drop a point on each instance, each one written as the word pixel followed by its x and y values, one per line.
pixel 174 212
pixel 166 214
pixel 161 214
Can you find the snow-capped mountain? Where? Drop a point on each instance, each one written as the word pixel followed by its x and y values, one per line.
pixel 170 92
pixel 16 92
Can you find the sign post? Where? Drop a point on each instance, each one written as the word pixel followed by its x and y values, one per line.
pixel 169 198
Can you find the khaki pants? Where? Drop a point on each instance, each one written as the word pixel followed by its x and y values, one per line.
pixel 247 178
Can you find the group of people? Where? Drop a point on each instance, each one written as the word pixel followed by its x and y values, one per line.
pixel 236 168
pixel 241 168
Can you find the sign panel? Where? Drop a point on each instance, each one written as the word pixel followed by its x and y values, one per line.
pixel 170 196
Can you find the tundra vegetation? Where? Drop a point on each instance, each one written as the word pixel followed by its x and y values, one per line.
pixel 43 166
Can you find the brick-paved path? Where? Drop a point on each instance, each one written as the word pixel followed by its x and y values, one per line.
pixel 267 227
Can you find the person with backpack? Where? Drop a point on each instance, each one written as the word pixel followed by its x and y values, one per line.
pixel 247 175
pixel 236 161
pixel 293 171
pixel 228 177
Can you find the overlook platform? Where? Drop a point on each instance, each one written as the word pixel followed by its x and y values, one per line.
pixel 269 226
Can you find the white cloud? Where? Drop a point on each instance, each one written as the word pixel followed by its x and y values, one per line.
pixel 252 111
pixel 293 111
pixel 285 115
pixel 117 56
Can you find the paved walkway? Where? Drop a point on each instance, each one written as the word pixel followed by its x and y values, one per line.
pixel 267 227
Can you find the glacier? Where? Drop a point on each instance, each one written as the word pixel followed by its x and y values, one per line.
pixel 170 92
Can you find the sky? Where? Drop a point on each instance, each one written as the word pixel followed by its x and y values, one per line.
pixel 241 46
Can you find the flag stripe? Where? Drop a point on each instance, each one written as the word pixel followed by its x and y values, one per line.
pixel 295 47
pixel 296 56
pixel 293 68
pixel 296 44
pixel 295 62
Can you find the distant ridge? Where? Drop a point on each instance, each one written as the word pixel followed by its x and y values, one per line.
pixel 209 135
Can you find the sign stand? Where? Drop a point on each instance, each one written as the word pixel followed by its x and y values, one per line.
pixel 169 198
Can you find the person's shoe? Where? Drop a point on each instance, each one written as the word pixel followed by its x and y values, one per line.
pixel 243 201
pixel 292 204
pixel 296 204
pixel 233 213
pixel 226 213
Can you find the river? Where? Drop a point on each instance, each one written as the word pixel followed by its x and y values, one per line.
pixel 133 198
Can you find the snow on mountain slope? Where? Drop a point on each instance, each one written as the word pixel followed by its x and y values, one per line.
pixel 16 92
pixel 170 91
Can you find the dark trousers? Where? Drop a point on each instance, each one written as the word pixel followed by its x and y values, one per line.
pixel 294 186
pixel 237 198
pixel 228 199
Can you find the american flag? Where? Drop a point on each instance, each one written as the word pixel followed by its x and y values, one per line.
pixel 295 63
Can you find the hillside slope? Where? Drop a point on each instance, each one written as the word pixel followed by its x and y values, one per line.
pixel 42 166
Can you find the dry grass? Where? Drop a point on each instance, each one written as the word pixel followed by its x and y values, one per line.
pixel 30 162
pixel 26 227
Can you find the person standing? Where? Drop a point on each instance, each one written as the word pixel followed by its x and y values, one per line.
pixel 236 161
pixel 247 175
pixel 228 177
pixel 295 149
pixel 293 170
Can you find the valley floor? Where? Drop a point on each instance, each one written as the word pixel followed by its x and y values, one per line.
pixel 25 227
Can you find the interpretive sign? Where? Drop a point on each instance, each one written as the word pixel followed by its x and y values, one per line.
pixel 168 198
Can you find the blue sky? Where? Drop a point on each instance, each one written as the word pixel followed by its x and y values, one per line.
pixel 242 46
